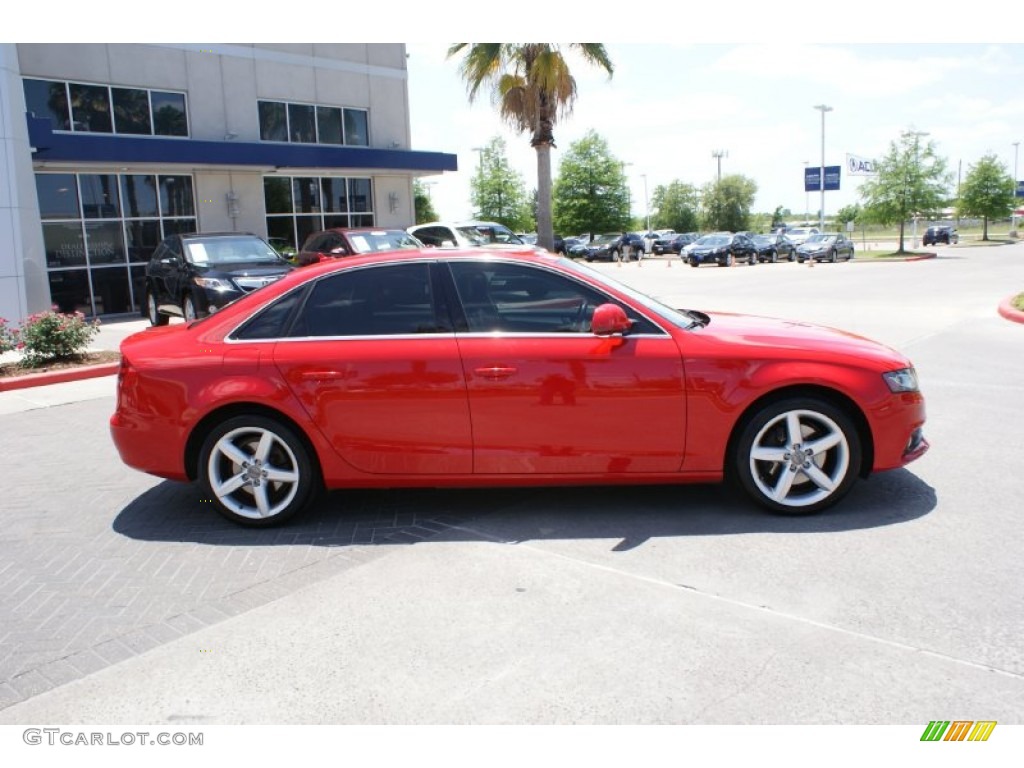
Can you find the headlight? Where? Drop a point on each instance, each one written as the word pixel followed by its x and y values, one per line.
pixel 903 380
pixel 212 283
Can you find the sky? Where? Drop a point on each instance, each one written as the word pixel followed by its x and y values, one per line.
pixel 670 105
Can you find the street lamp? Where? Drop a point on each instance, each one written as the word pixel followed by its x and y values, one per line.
pixel 823 108
pixel 807 194
pixel 1013 213
pixel 718 154
pixel 918 135
pixel 629 199
pixel 647 203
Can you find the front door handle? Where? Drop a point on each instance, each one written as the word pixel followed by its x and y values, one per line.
pixel 325 375
pixel 495 372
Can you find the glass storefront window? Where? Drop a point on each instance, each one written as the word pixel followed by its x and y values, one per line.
pixel 301 123
pixel 69 290
pixel 281 232
pixel 104 242
pixel 58 195
pixel 273 121
pixel 89 243
pixel 131 111
pixel 356 132
pixel 90 108
pixel 64 244
pixel 360 193
pixel 306 195
pixel 328 120
pixel 169 116
pixel 139 195
pixel 48 98
pixel 277 194
pixel 176 196
pixel 100 199
pixel 141 239
pixel 335 195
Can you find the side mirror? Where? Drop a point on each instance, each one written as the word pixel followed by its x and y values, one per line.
pixel 609 319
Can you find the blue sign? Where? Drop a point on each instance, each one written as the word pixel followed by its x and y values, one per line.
pixel 1020 189
pixel 812 178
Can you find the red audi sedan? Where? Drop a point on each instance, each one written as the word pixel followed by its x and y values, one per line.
pixel 473 368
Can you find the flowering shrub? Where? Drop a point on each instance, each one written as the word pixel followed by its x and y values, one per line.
pixel 8 337
pixel 56 336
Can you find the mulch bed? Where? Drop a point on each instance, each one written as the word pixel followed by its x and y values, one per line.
pixel 78 361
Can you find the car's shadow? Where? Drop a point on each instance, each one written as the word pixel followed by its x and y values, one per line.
pixel 629 515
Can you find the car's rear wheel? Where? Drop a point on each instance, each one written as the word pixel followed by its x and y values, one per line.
pixel 833 256
pixel 797 456
pixel 257 471
pixel 728 261
pixel 152 311
pixel 188 308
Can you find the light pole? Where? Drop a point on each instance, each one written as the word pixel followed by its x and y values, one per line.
pixel 718 154
pixel 823 108
pixel 1013 212
pixel 918 135
pixel 480 176
pixel 647 203
pixel 629 200
pixel 807 194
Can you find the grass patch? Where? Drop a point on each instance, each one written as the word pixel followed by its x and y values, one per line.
pixel 887 254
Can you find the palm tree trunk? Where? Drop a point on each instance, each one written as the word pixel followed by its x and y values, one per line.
pixel 545 232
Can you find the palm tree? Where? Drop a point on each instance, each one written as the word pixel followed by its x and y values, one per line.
pixel 532 87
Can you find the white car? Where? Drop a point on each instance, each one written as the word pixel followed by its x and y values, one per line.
pixel 470 234
pixel 798 235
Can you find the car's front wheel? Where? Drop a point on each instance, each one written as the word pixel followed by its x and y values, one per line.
pixel 797 456
pixel 188 308
pixel 257 471
pixel 152 311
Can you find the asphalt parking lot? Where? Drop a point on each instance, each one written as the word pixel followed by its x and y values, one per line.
pixel 124 600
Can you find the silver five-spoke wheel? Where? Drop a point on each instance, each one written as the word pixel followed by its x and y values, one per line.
pixel 798 456
pixel 257 471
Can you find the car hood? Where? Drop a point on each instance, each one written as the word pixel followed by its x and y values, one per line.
pixel 243 269
pixel 792 336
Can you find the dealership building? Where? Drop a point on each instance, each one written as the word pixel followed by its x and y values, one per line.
pixel 106 149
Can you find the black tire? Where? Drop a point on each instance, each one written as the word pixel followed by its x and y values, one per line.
pixel 833 257
pixel 152 313
pixel 775 257
pixel 242 492
pixel 188 308
pixel 753 259
pixel 728 261
pixel 783 474
pixel 694 263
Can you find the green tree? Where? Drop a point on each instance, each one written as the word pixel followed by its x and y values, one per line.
pixel 779 216
pixel 727 203
pixel 590 192
pixel 847 214
pixel 497 192
pixel 987 191
pixel 911 181
pixel 532 87
pixel 677 205
pixel 421 201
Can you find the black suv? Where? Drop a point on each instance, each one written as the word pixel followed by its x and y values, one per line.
pixel 195 274
pixel 936 235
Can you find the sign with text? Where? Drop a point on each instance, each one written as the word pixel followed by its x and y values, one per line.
pixel 812 178
pixel 859 166
pixel 1020 189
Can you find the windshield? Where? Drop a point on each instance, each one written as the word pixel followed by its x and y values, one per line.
pixel 679 318
pixel 602 239
pixel 714 240
pixel 763 239
pixel 821 238
pixel 487 234
pixel 383 240
pixel 217 251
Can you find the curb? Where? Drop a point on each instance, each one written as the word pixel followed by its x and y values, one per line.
pixel 58 377
pixel 1007 310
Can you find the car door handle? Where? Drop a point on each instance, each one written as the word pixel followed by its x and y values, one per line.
pixel 324 375
pixel 495 372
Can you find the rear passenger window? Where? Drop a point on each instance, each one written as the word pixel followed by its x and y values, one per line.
pixel 376 301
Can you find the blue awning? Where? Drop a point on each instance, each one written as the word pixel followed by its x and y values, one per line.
pixel 51 146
